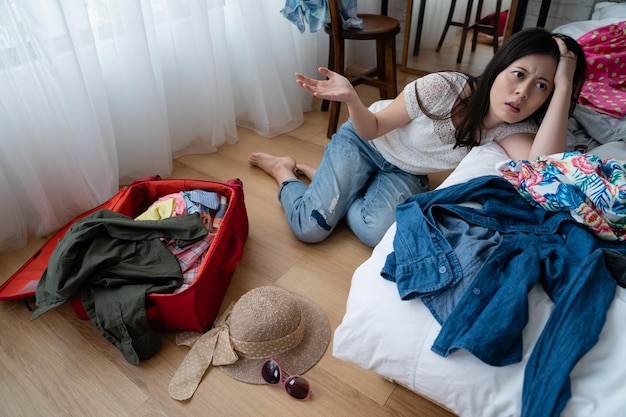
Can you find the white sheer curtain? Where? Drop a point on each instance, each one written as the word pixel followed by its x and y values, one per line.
pixel 94 93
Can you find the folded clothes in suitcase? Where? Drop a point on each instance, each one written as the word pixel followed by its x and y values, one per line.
pixel 192 296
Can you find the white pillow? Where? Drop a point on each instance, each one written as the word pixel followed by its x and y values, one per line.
pixel 607 9
pixel 605 13
pixel 480 161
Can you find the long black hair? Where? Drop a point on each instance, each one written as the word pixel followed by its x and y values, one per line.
pixel 473 108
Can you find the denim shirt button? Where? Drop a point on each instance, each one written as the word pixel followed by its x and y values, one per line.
pixel 442 269
pixel 476 291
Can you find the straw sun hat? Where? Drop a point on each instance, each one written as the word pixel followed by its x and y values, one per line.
pixel 265 322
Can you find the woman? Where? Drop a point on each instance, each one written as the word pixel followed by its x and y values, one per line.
pixel 383 154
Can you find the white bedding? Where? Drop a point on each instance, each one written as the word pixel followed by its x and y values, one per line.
pixel 392 337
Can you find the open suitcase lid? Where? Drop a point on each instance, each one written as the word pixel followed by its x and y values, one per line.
pixel 23 283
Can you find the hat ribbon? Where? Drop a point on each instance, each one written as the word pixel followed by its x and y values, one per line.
pixel 212 347
pixel 266 348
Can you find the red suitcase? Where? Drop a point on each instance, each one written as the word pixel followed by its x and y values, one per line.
pixel 195 307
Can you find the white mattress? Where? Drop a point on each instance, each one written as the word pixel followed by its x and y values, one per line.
pixel 392 337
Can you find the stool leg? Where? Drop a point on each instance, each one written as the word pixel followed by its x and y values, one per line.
pixel 479 15
pixel 333 118
pixel 386 67
pixel 390 68
pixel 466 25
pixel 331 66
pixel 496 27
pixel 447 26
pixel 381 69
pixel 474 38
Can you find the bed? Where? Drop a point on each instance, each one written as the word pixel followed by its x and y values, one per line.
pixel 382 333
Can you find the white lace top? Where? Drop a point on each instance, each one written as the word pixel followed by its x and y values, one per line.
pixel 424 146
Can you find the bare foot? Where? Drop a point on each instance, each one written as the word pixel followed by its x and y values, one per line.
pixel 281 168
pixel 306 170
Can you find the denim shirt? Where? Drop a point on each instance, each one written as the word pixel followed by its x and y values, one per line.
pixel 473 266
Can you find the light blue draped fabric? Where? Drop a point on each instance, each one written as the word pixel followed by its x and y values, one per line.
pixel 315 14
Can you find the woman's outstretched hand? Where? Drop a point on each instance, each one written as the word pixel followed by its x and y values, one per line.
pixel 335 88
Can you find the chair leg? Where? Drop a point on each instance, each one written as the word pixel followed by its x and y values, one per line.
pixel 479 15
pixel 333 118
pixel 496 26
pixel 447 26
pixel 474 38
pixel 466 25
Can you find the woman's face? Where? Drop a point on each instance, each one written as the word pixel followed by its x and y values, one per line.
pixel 521 89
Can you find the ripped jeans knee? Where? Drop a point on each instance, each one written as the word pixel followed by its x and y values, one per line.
pixel 321 220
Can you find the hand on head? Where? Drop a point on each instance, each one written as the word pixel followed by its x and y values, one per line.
pixel 567 64
pixel 335 88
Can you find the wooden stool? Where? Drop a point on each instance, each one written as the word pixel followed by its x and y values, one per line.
pixel 378 27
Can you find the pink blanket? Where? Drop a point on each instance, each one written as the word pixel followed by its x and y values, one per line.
pixel 605 86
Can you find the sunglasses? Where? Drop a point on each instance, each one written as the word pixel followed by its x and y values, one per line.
pixel 295 385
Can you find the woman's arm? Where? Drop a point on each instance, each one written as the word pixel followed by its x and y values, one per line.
pixel 368 125
pixel 552 134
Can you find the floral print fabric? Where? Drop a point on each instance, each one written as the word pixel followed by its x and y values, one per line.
pixel 592 189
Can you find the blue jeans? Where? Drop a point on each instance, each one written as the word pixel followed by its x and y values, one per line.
pixel 354 182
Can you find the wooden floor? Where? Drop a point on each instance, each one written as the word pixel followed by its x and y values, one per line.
pixel 58 365
pixel 473 63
